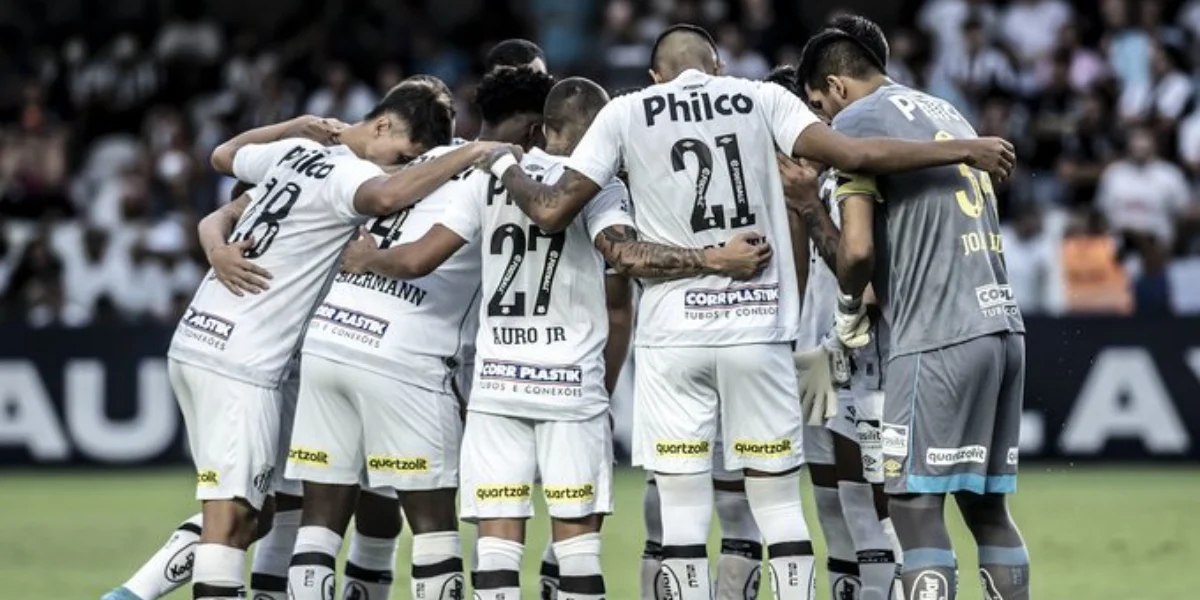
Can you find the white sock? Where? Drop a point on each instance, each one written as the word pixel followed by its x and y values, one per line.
pixel 579 562
pixel 775 502
pixel 437 567
pixel 889 529
pixel 652 579
pixel 272 555
pixel 499 573
pixel 843 563
pixel 313 572
pixel 876 561
pixel 740 564
pixel 218 573
pixel 171 565
pixel 549 572
pixel 687 507
pixel 369 567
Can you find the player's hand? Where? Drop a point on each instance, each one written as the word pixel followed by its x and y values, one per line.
pixel 743 257
pixel 490 152
pixel 800 179
pixel 818 400
pixel 992 154
pixel 236 272
pixel 318 129
pixel 850 322
pixel 359 253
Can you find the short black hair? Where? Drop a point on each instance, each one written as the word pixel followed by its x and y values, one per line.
pixel 695 30
pixel 430 121
pixel 574 100
pixel 512 53
pixel 835 52
pixel 507 92
pixel 786 77
pixel 866 31
pixel 435 84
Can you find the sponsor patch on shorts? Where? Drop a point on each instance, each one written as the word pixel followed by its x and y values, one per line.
pixel 894 440
pixel 945 457
pixel 892 468
pixel 403 465
pixel 207 478
pixel 682 449
pixel 503 492
pixel 569 494
pixel 1014 456
pixel 772 449
pixel 308 456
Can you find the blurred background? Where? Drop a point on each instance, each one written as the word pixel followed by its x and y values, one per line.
pixel 108 111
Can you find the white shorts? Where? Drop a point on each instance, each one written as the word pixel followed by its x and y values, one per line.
pixel 682 394
pixel 501 455
pixel 289 396
pixel 233 431
pixel 357 427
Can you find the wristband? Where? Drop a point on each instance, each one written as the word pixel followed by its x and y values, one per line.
pixel 502 164
pixel 848 303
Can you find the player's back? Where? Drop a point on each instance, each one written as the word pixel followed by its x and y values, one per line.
pixel 543 316
pixel 300 216
pixel 700 153
pixel 940 275
pixel 411 330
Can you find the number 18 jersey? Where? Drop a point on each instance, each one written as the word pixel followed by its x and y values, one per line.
pixel 300 216
pixel 700 154
pixel 543 316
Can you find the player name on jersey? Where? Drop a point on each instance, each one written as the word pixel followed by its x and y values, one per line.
pixel 404 290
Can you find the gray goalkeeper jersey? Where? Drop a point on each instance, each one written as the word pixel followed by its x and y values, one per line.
pixel 939 273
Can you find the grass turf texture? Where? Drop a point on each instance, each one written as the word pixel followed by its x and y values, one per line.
pixel 1098 533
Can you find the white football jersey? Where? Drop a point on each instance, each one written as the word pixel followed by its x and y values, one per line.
pixel 700 153
pixel 543 315
pixel 410 330
pixel 301 215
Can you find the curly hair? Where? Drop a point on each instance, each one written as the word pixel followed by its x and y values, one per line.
pixel 508 92
pixel 787 77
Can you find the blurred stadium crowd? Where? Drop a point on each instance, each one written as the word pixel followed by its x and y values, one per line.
pixel 108 112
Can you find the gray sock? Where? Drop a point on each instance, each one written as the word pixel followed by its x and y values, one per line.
pixel 1004 572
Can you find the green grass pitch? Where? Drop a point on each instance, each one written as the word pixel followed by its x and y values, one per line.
pixel 1098 533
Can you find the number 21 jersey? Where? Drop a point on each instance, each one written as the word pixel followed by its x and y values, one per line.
pixel 543 316
pixel 300 216
pixel 700 154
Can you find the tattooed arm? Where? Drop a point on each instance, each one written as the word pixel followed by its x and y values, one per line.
pixel 629 256
pixel 803 194
pixel 551 207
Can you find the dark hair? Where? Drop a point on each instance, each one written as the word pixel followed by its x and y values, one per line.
pixel 423 109
pixel 509 92
pixel 435 84
pixel 625 91
pixel 786 77
pixel 835 52
pixel 867 32
pixel 678 27
pixel 573 100
pixel 512 53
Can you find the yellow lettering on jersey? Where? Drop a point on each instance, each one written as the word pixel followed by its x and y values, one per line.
pixel 980 242
pixel 972 200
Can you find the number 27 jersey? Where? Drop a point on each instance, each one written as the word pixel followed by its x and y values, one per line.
pixel 543 316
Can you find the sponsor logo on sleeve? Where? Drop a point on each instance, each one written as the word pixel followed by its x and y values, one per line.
pixel 771 449
pixel 569 494
pixel 1014 456
pixel 946 457
pixel 737 301
pixel 307 456
pixel 352 320
pixel 683 449
pixel 894 440
pixel 207 478
pixel 996 300
pixel 503 492
pixel 398 464
pixel 537 380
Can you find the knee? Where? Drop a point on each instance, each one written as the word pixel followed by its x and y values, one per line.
pixel 232 523
pixel 986 510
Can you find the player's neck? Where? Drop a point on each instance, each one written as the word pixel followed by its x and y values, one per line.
pixel 860 89
pixel 355 138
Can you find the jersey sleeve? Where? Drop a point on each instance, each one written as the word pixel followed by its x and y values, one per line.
pixel 252 161
pixel 786 115
pixel 349 172
pixel 598 155
pixel 865 119
pixel 609 208
pixel 463 213
pixel 848 184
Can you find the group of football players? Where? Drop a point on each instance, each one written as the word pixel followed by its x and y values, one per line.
pixel 398 322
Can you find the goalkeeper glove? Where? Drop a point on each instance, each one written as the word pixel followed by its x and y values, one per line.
pixel 850 322
pixel 818 400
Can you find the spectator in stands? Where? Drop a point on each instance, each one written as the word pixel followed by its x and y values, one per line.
pixel 1029 255
pixel 1094 279
pixel 1142 195
pixel 943 21
pixel 1164 99
pixel 1087 66
pixel 1051 119
pixel 35 291
pixel 1030 27
pixel 740 61
pixel 1128 47
pixel 33 160
pixel 980 69
pixel 1087 149
pixel 342 97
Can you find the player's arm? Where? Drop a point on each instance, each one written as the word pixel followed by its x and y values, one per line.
pixel 743 257
pixel 406 261
pixel 323 131
pixel 856 252
pixel 803 195
pixel 618 291
pixel 228 261
pixel 386 194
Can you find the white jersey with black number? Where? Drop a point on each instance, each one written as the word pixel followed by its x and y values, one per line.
pixel 543 316
pixel 300 216
pixel 411 330
pixel 700 153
